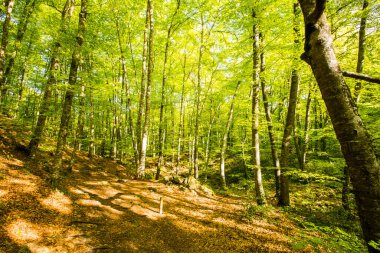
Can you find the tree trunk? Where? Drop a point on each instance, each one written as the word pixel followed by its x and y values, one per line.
pixel 181 117
pixel 52 76
pixel 361 50
pixel 355 143
pixel 225 135
pixel 67 106
pixel 163 87
pixel 260 194
pixel 91 146
pixel 8 4
pixel 306 129
pixel 284 199
pixel 268 116
pixel 144 141
pixel 198 106
pixel 21 29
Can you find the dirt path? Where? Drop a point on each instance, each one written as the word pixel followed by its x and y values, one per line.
pixel 99 209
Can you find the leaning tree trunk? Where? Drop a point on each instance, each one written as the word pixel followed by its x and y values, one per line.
pixel 361 50
pixel 4 43
pixel 364 169
pixel 259 188
pixel 21 29
pixel 52 76
pixel 67 106
pixel 284 199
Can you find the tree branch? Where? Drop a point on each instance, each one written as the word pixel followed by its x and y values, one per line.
pixel 320 7
pixel 363 77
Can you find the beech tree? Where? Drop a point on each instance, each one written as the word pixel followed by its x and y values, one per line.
pixel 364 169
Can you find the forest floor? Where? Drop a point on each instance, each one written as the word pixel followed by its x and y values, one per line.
pixel 100 208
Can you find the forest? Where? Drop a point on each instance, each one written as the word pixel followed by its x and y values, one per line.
pixel 189 126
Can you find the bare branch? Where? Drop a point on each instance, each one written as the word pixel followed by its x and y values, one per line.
pixel 363 77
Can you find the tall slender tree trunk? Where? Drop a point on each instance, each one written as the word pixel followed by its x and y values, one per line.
pixel 256 159
pixel 198 101
pixel 163 87
pixel 144 136
pixel 305 143
pixel 8 4
pixel 356 146
pixel 361 50
pixel 225 136
pixel 52 76
pixel 21 29
pixel 284 199
pixel 80 126
pixel 91 146
pixel 67 106
pixel 268 116
pixel 181 117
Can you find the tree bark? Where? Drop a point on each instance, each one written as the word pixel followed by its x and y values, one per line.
pixel 268 116
pixel 181 117
pixel 361 50
pixel 8 4
pixel 144 140
pixel 225 136
pixel 21 29
pixel 364 169
pixel 163 87
pixel 259 188
pixel 284 199
pixel 67 106
pixel 52 77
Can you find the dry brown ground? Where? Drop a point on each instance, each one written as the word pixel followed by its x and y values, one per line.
pixel 100 209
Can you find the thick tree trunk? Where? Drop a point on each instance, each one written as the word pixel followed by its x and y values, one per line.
pixel 225 136
pixel 355 143
pixel 361 50
pixel 284 199
pixel 8 4
pixel 67 106
pixel 52 76
pixel 259 188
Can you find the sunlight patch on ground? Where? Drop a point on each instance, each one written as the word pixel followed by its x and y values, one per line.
pixel 103 192
pixel 22 231
pixel 57 201
pixel 3 193
pixel 22 185
pixel 88 202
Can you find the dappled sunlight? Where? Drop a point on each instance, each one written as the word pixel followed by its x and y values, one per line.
pixel 104 191
pixel 57 201
pixel 20 185
pixel 22 231
pixel 89 202
pixel 3 193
